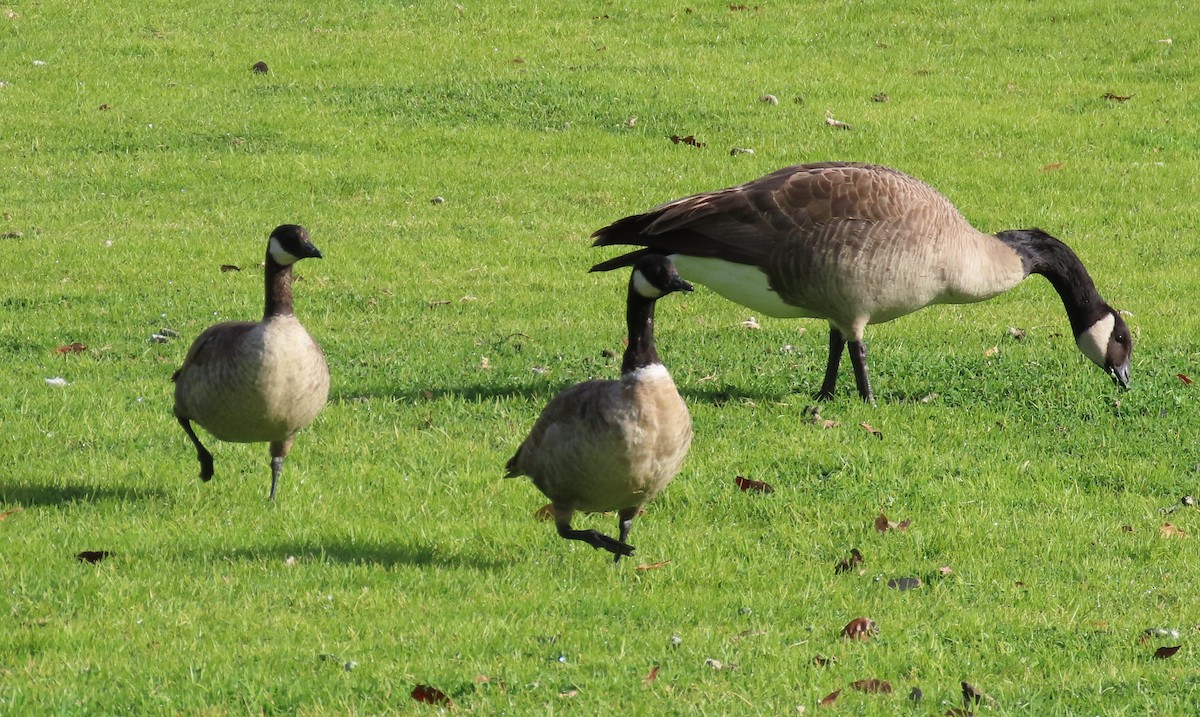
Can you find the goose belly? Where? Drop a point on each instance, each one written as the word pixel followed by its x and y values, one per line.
pixel 740 283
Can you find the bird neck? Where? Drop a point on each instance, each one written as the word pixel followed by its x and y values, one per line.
pixel 1045 255
pixel 639 319
pixel 279 289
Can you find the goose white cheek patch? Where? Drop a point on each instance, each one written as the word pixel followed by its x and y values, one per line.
pixel 643 286
pixel 1094 342
pixel 282 256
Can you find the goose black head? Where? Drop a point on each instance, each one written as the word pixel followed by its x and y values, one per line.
pixel 654 276
pixel 289 243
pixel 1108 343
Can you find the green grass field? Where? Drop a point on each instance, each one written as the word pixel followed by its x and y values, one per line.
pixel 140 154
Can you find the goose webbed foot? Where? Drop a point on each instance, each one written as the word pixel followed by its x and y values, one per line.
pixel 597 540
pixel 202 454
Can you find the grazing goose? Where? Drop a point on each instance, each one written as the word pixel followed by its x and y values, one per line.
pixel 859 244
pixel 248 382
pixel 613 445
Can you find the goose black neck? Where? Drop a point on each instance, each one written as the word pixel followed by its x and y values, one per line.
pixel 639 319
pixel 279 289
pixel 1045 255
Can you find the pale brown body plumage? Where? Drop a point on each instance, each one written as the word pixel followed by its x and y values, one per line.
pixel 250 382
pixel 607 445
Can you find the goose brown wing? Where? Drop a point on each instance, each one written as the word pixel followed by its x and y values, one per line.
pixel 814 203
pixel 215 341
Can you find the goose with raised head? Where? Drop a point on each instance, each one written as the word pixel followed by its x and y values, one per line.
pixel 858 244
pixel 606 445
pixel 256 382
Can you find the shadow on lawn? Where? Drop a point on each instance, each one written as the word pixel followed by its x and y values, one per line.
pixel 544 392
pixel 28 495
pixel 388 555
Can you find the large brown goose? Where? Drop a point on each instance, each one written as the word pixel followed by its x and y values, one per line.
pixel 858 244
pixel 607 445
pixel 248 382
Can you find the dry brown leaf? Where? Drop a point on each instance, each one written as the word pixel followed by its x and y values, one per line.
pixel 872 686
pixel 1171 531
pixel 872 430
pixel 1116 98
pixel 651 676
pixel 75 348
pixel 753 486
pixel 689 140
pixel 973 695
pixel 226 268
pixel 1053 166
pixel 945 570
pixel 1163 653
pixel 651 566
pixel 1186 381
pixel 13 511
pixel 883 525
pixel 845 565
pixel 546 512
pixel 860 628
pixel 830 699
pixel 988 353
pixel 431 696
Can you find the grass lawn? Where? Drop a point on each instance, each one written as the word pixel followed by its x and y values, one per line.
pixel 140 154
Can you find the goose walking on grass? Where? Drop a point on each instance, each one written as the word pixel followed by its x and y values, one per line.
pixel 608 445
pixel 859 244
pixel 248 382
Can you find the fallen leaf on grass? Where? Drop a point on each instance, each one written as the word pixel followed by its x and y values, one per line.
pixel 546 512
pixel 1163 653
pixel 92 556
pixel 226 268
pixel 1186 381
pixel 718 665
pixel 651 676
pixel 988 353
pixel 431 696
pixel 860 628
pixel 1116 98
pixel 13 511
pixel 883 525
pixel 751 323
pixel 945 570
pixel 651 566
pixel 1170 531
pixel 75 348
pixel 845 565
pixel 689 140
pixel 1016 333
pixel 822 661
pixel 830 699
pixel 1053 166
pixel 872 686
pixel 872 430
pixel 756 486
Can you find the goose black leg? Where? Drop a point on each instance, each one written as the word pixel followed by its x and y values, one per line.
pixel 202 454
pixel 837 342
pixel 625 521
pixel 858 359
pixel 594 538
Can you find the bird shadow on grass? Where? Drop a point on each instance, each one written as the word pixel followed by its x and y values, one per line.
pixel 29 495
pixel 390 554
pixel 546 391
